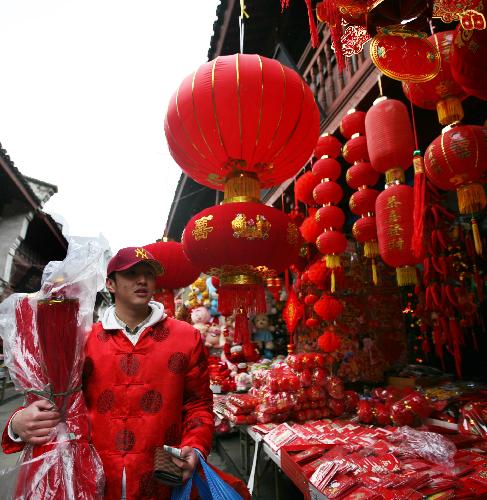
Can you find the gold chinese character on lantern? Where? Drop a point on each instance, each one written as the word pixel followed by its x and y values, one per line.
pixel 393 202
pixel 249 228
pixel 394 230
pixel 395 244
pixel 292 233
pixel 393 216
pixel 201 230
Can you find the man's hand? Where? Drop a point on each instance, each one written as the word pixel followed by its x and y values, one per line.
pixel 34 423
pixel 188 462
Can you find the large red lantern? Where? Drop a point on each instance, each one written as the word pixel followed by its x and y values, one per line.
pixel 468 55
pixel 457 160
pixel 243 113
pixel 394 216
pixel 178 271
pixel 442 92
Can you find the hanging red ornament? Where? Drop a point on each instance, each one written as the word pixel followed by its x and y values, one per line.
pixel 331 244
pixel 304 187
pixel 310 229
pixel 310 299
pixel 355 149
pixel 329 342
pixel 327 145
pixel 328 308
pixel 330 217
pixel 442 92
pixel 327 192
pixel 361 174
pixel 362 202
pixel 353 123
pixel 457 160
pixel 274 285
pixel 293 311
pixel 327 168
pixel 312 322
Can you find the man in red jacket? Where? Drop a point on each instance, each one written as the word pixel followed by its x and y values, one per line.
pixel 145 381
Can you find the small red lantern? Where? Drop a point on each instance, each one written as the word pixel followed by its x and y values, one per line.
pixel 332 243
pixel 365 229
pixel 394 215
pixel 327 192
pixel 353 123
pixel 457 160
pixel 330 217
pixel 327 168
pixel 329 342
pixel 312 322
pixel 361 174
pixel 355 149
pixel 310 229
pixel 327 145
pixel 310 299
pixel 328 308
pixel 442 92
pixel 304 187
pixel 362 202
pixel 468 54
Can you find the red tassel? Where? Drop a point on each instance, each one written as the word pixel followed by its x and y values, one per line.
pixel 242 333
pixel 456 335
pixel 312 25
pixel 249 298
pixel 284 5
pixel 419 201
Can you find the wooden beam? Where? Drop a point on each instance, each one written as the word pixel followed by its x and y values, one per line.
pixel 224 29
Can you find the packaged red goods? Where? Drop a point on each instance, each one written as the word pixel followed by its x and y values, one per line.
pixel 337 406
pixel 335 387
pixel 362 493
pixel 294 361
pixel 365 411
pixel 318 377
pixel 305 378
pixel 280 436
pixel 351 399
pixel 245 402
pixel 308 455
pixel 264 428
pixel 240 419
pixel 410 410
pixel 322 476
pixel 339 486
pixel 473 419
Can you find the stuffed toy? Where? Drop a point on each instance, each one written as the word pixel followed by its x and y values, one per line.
pixel 200 317
pixel 262 335
pixel 214 340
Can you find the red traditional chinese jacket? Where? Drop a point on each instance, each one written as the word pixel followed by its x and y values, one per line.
pixel 143 396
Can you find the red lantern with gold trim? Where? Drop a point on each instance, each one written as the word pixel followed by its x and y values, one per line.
pixel 310 229
pixel 361 174
pixel 353 123
pixel 304 187
pixel 328 308
pixel 457 160
pixel 330 217
pixel 327 168
pixel 442 92
pixel 327 145
pixel 327 192
pixel 355 149
pixel 362 202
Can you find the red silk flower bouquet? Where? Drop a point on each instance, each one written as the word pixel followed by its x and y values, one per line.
pixel 43 337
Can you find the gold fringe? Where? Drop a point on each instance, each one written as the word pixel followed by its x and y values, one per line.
pixel 449 110
pixel 471 198
pixel 476 237
pixel 332 261
pixel 332 282
pixel 241 186
pixel 395 174
pixel 374 272
pixel 371 249
pixel 418 163
pixel 406 276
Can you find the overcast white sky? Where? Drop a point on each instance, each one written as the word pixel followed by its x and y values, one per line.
pixel 83 94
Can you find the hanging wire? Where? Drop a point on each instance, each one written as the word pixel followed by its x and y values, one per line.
pixel 379 82
pixel 243 14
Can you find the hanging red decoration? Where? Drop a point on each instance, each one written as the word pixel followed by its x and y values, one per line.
pixel 310 229
pixel 353 123
pixel 442 92
pixel 310 299
pixel 404 54
pixel 242 112
pixel 327 168
pixel 468 54
pixel 304 187
pixel 457 160
pixel 330 217
pixel 332 243
pixel 355 149
pixel 293 311
pixel 329 342
pixel 328 308
pixel 274 285
pixel 365 229
pixel 361 174
pixel 327 145
pixel 312 322
pixel 394 215
pixel 327 192
pixel 362 202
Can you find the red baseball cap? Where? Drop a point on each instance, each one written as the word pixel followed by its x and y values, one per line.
pixel 125 258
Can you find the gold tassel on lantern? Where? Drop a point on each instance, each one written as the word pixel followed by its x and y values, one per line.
pixel 449 110
pixel 241 186
pixel 374 272
pixel 471 198
pixel 371 249
pixel 476 237
pixel 406 276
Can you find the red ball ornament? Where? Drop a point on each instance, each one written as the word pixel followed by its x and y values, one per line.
pixel 310 229
pixel 304 187
pixel 312 322
pixel 327 168
pixel 328 308
pixel 337 406
pixel 331 242
pixel 242 112
pixel 361 174
pixel 351 399
pixel 310 299
pixel 353 123
pixel 327 192
pixel 329 342
pixel 365 229
pixel 327 145
pixel 330 217
pixel 394 216
pixel 365 411
pixel 317 273
pixel 355 149
pixel 335 387
pixel 390 140
pixel 362 202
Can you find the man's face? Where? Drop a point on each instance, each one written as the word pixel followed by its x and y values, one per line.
pixel 133 287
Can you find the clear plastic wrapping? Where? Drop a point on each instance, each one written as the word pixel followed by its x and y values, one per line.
pixel 43 339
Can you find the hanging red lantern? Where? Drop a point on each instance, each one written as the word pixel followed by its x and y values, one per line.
pixel 330 217
pixel 304 187
pixel 365 229
pixel 274 285
pixel 362 202
pixel 361 174
pixel 327 192
pixel 355 149
pixel 457 160
pixel 312 322
pixel 353 123
pixel 328 308
pixel 329 342
pixel 394 216
pixel 242 112
pixel 327 145
pixel 404 54
pixel 310 299
pixel 331 244
pixel 442 92
pixel 468 54
pixel 310 229
pixel 327 168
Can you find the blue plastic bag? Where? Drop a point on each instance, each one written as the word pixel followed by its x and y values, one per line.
pixel 213 488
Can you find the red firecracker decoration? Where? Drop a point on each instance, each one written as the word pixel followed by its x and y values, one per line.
pixel 457 160
pixel 391 145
